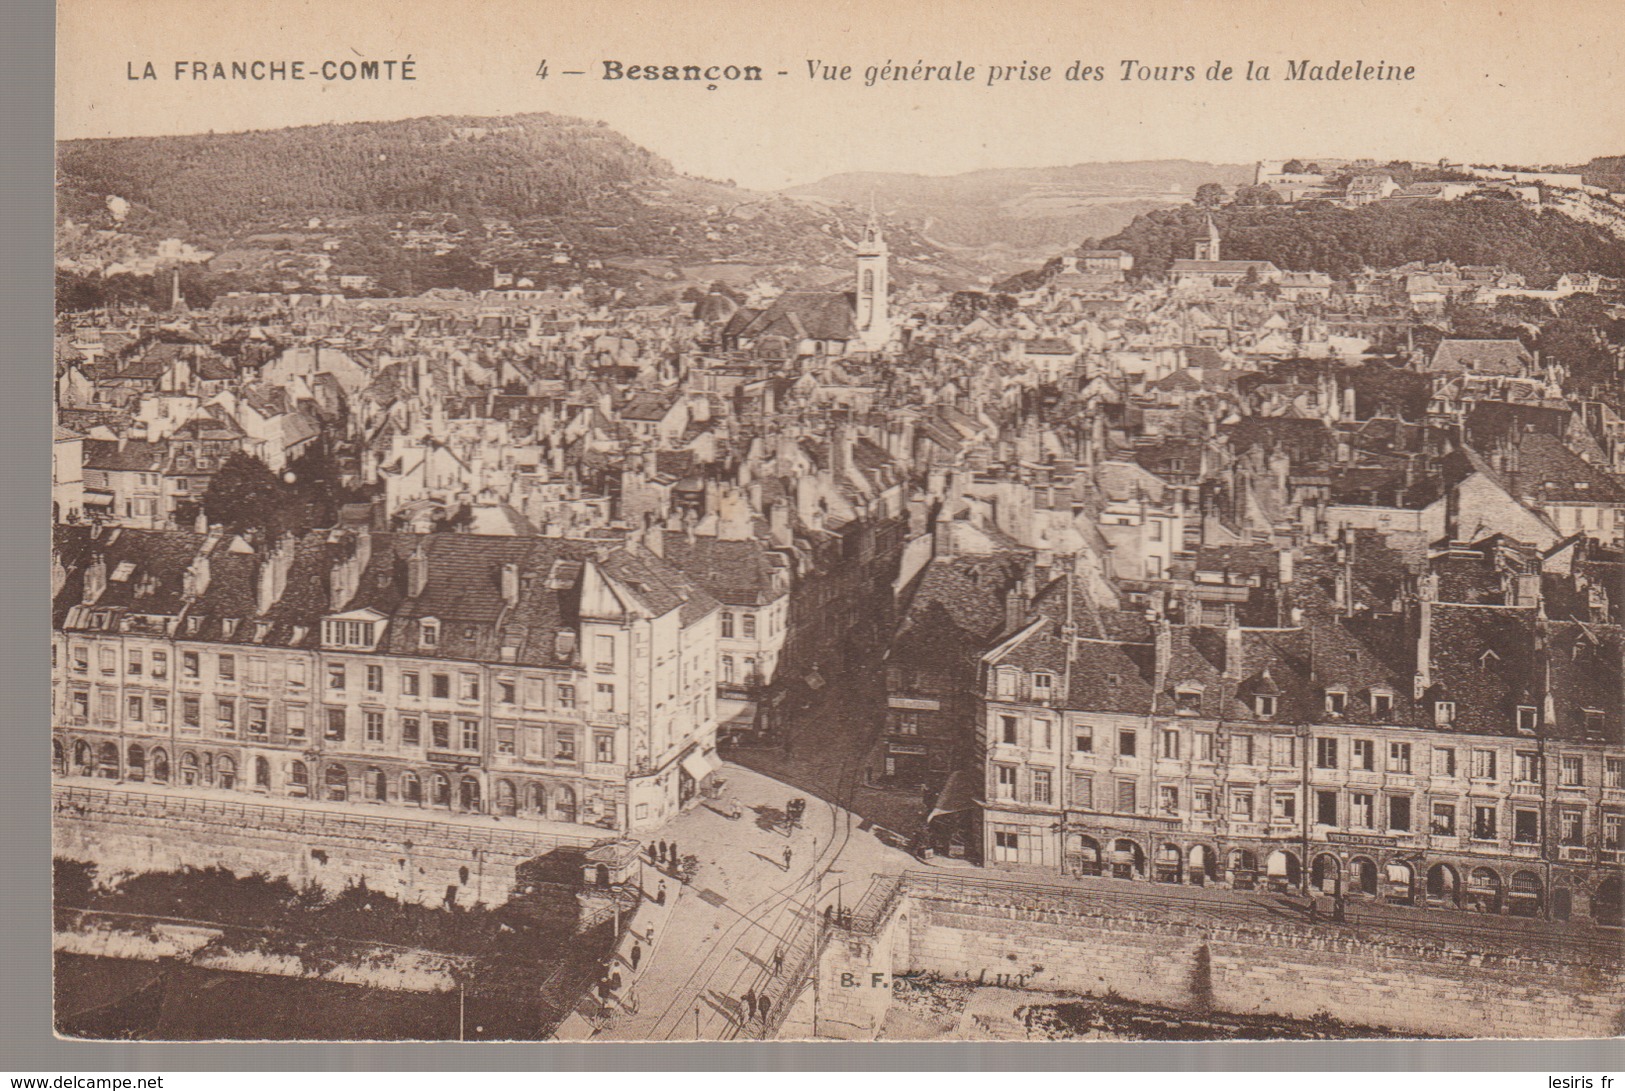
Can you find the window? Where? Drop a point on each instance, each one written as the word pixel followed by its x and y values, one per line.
pixel 1483 765
pixel 1444 712
pixel 1202 802
pixel 1526 767
pixel 1004 782
pixel 470 689
pixel 335 723
pixel 603 748
pixel 1528 719
pixel 1284 750
pixel 189 664
pixel 259 721
pixel 81 705
pixel 429 632
pixel 1083 791
pixel 109 660
pixel 1613 772
pixel 1170 744
pixel 1242 748
pixel 296 673
pixel 1444 820
pixel 1326 808
pixel 160 710
pixel 348 634
pixel 256 670
pixel 226 668
pixel 1484 822
pixel 81 660
pixel 1007 729
pixel 1571 826
pixel 1168 799
pixel 1188 702
pixel 505 744
pixel 225 716
pixel 107 706
pixel 1042 684
pixel 440 734
pixel 1041 786
pixel 1326 753
pixel 565 746
pixel 749 623
pixel 1399 813
pixel 507 692
pixel 604 697
pixel 160 665
pixel 1362 810
pixel 1264 704
pixel 728 668
pixel 1284 807
pixel 133 662
pixel 440 686
pixel 1204 746
pixel 1127 797
pixel 1083 739
pixel 1444 761
pixel 1007 841
pixel 1005 683
pixel 1044 730
pixel 1525 826
pixel 727 625
pixel 470 734
pixel 296 722
pixel 1573 770
pixel 1382 705
pixel 1612 821
pixel 373 725
pixel 1241 804
pixel 409 683
pixel 375 678
pixel 133 708
pixel 411 730
pixel 335 676
pixel 1364 755
pixel 1337 702
pixel 1399 757
pixel 1127 743
pixel 567 696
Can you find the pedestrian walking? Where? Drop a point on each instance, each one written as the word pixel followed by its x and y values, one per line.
pixel 662 850
pixel 778 961
pixel 660 894
pixel 637 955
pixel 829 915
pixel 761 1007
pixel 654 853
pixel 787 856
pixel 675 859
pixel 750 1003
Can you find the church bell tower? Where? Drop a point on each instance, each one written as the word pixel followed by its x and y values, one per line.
pixel 873 321
pixel 1208 249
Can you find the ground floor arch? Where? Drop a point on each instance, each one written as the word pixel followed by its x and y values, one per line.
pixel 1203 864
pixel 1128 859
pixel 1283 870
pixel 1325 871
pixel 1525 895
pixel 1363 876
pixel 1083 854
pixel 1484 890
pixel 1170 863
pixel 1443 886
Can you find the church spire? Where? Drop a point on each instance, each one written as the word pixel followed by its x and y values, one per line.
pixel 1208 249
pixel 873 319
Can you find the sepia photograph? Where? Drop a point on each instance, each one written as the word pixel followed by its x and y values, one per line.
pixel 1084 523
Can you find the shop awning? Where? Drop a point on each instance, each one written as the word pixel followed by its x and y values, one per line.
pixel 956 796
pixel 732 713
pixel 698 765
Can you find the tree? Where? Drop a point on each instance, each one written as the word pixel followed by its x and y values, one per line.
pixel 1294 166
pixel 1209 194
pixel 1255 196
pixel 245 495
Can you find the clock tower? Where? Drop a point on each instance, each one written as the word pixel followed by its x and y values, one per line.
pixel 873 321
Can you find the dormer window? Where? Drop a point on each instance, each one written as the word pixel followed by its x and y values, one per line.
pixel 1188 700
pixel 228 627
pixel 1444 712
pixel 1528 719
pixel 1489 660
pixel 1005 684
pixel 429 632
pixel 1382 704
pixel 1337 702
pixel 1264 704
pixel 359 629
pixel 1042 685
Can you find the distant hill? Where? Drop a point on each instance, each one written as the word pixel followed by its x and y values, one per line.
pixel 1027 207
pixel 1540 244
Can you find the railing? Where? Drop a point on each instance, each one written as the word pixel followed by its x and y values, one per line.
pixel 308 821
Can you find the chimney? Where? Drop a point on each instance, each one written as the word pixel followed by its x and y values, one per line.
pixel 510 583
pixel 1232 649
pixel 1015 606
pixel 1164 651
pixel 1428 588
pixel 779 525
pixel 1284 562
pixel 273 575
pixel 417 568
pixel 95 579
pixel 654 539
pixel 195 580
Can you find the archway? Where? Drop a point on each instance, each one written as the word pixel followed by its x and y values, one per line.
pixel 160 765
pixel 1243 869
pixel 1443 886
pixel 1128 859
pixel 468 794
pixel 374 786
pixel 1170 864
pixel 1524 896
pixel 1204 865
pixel 225 772
pixel 82 763
pixel 411 787
pixel 337 780
pixel 59 758
pixel 507 802
pixel 1562 903
pixel 1363 876
pixel 262 773
pixel 1283 870
pixel 136 759
pixel 1607 904
pixel 107 761
pixel 298 780
pixel 189 769
pixel 564 803
pixel 1401 880
pixel 440 790
pixel 1484 890
pixel 1324 871
pixel 536 799
pixel 1084 855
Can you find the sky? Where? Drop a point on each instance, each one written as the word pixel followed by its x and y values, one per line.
pixel 1495 80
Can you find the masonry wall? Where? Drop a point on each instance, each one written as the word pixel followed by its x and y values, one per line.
pixel 1400 981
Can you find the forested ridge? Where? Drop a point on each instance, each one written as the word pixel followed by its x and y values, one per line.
pixel 530 164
